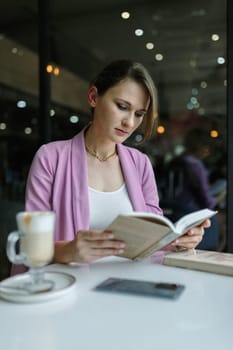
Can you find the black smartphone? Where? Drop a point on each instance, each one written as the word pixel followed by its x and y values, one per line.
pixel 138 287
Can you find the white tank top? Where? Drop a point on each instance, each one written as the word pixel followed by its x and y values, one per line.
pixel 105 206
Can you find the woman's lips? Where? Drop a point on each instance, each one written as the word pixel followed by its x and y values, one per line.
pixel 121 132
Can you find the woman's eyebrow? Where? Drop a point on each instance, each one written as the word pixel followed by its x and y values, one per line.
pixel 130 104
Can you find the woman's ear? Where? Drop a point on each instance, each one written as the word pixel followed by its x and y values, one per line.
pixel 92 96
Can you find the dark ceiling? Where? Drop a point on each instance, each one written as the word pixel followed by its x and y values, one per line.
pixel 85 35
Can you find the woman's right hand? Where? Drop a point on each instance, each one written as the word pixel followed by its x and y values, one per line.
pixel 87 247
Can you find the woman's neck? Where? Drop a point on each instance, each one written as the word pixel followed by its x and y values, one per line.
pixel 98 147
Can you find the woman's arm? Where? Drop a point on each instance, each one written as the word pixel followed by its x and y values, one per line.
pixel 39 182
pixel 87 246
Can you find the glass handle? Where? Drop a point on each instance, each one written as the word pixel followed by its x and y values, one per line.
pixel 11 249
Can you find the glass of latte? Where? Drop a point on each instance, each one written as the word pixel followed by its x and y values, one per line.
pixel 36 246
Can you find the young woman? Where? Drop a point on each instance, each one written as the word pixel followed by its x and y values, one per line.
pixel 93 177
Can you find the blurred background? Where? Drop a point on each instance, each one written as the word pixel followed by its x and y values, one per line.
pixel 183 45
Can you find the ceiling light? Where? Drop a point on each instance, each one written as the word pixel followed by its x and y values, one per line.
pixel 221 60
pixel 159 57
pixel 49 68
pixel 21 104
pixel 125 14
pixel 214 133
pixel 56 71
pixel 203 84
pixel 193 100
pixel 52 112
pixel 2 126
pixel 138 138
pixel 189 105
pixel 74 119
pixel 215 37
pixel 139 32
pixel 149 46
pixel 28 131
pixel 201 111
pixel 160 129
pixel 225 82
pixel 14 50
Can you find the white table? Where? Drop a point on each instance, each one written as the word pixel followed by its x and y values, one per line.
pixel 202 318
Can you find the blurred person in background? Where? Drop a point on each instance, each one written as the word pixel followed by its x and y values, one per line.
pixel 188 186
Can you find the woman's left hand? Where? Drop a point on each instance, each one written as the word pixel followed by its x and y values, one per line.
pixel 193 237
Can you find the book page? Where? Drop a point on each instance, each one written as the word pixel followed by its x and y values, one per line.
pixel 138 234
pixel 156 218
pixel 193 219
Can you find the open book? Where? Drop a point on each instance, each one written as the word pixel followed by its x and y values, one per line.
pixel 202 260
pixel 145 233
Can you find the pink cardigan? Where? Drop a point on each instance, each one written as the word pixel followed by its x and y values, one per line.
pixel 58 181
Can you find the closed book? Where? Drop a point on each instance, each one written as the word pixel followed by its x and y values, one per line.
pixel 202 260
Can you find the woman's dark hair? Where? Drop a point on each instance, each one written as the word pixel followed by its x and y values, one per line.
pixel 120 70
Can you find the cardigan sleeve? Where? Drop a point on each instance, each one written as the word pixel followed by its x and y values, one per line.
pixel 149 188
pixel 40 182
pixel 140 179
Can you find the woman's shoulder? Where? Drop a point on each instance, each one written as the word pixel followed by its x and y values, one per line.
pixel 55 147
pixel 132 151
pixel 59 146
pixel 135 157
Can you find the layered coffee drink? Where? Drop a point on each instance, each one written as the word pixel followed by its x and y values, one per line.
pixel 38 248
pixel 36 237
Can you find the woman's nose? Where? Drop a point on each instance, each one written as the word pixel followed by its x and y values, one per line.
pixel 129 120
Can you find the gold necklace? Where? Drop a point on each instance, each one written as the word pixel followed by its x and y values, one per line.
pixel 103 159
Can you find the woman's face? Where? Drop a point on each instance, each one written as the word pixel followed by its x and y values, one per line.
pixel 120 111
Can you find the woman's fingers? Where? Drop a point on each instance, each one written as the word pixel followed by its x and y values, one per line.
pixel 95 235
pixel 206 223
pixel 98 240
pixel 192 238
pixel 97 252
pixel 91 245
pixel 107 244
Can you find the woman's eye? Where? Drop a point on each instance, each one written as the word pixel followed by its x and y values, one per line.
pixel 121 107
pixel 139 114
